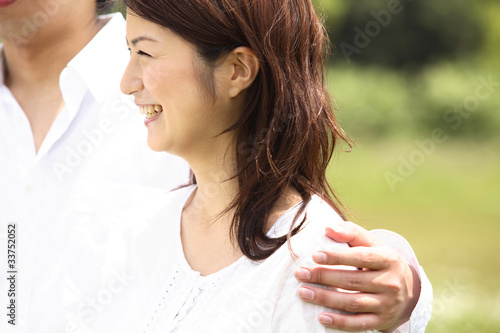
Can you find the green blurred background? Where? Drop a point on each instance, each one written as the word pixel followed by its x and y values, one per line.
pixel 417 85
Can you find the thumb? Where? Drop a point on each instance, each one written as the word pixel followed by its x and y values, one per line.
pixel 352 234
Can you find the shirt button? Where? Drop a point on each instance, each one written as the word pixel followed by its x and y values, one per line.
pixel 28 189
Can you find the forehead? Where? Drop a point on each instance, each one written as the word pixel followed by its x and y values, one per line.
pixel 137 25
pixel 161 41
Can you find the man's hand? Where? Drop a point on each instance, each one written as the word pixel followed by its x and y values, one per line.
pixel 387 287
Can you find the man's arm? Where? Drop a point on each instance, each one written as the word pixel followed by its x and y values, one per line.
pixel 387 286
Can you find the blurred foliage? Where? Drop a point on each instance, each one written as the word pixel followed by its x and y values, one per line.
pixel 447 209
pixel 405 33
pixel 370 101
pixel 412 71
pixel 424 70
pixel 377 103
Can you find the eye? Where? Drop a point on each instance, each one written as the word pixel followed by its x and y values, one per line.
pixel 141 53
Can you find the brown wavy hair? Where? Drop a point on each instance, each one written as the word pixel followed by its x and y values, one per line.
pixel 287 132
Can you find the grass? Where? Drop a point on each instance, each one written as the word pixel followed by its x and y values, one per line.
pixel 448 209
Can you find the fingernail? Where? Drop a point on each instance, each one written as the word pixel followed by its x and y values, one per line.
pixel 319 257
pixel 302 274
pixel 306 294
pixel 325 319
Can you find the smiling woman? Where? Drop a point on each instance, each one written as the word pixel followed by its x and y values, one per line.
pixel 164 76
pixel 222 84
pixel 236 88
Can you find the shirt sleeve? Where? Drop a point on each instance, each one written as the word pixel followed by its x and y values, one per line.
pixel 422 313
pixel 295 316
pixel 292 315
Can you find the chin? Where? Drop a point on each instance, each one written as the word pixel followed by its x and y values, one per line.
pixel 155 147
pixel 158 145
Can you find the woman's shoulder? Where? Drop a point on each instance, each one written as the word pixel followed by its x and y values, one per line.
pixel 319 215
pixel 311 237
pixel 319 210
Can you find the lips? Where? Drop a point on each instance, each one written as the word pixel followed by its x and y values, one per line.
pixel 6 3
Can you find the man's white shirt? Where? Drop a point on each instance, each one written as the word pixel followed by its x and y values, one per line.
pixel 67 200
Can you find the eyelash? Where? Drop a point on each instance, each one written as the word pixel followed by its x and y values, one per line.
pixel 141 53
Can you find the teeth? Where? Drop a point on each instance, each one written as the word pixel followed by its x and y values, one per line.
pixel 150 111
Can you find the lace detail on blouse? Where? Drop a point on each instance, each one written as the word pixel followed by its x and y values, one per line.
pixel 184 294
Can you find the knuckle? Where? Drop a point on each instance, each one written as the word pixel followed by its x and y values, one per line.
pixel 352 282
pixel 320 297
pixel 393 286
pixel 333 257
pixel 390 307
pixel 363 326
pixel 356 305
pixel 391 256
pixel 367 258
pixel 386 308
pixel 394 259
pixel 318 275
pixel 344 324
pixel 387 317
pixel 341 323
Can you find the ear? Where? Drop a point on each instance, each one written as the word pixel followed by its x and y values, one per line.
pixel 244 67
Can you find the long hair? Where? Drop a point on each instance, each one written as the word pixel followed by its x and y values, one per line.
pixel 287 132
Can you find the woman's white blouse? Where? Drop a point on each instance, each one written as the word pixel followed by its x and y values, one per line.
pixel 243 297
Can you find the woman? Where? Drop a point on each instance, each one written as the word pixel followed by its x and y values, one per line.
pixel 236 88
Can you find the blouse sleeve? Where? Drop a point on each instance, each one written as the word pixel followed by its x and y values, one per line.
pixel 291 313
pixel 295 316
pixel 422 313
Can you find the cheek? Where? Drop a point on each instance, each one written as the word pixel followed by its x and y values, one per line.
pixel 179 83
pixel 154 78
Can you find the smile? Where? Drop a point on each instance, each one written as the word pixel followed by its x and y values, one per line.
pixel 150 111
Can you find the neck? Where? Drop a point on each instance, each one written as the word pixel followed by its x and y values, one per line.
pixel 217 186
pixel 39 60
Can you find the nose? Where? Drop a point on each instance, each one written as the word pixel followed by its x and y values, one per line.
pixel 131 82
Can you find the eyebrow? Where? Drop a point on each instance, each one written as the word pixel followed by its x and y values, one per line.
pixel 140 39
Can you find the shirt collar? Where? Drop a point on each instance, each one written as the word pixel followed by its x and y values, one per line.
pixel 101 63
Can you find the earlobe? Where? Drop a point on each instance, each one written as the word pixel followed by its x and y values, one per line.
pixel 245 67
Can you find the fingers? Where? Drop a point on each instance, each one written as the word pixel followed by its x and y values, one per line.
pixel 350 323
pixel 348 302
pixel 363 281
pixel 364 311
pixel 352 234
pixel 375 258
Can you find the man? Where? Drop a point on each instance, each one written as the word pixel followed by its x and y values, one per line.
pixel 73 158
